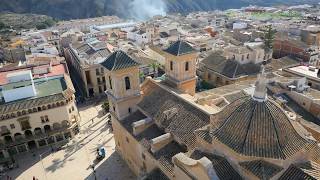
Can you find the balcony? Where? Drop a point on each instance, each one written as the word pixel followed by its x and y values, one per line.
pixel 25 128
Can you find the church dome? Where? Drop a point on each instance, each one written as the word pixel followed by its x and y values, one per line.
pixel 259 129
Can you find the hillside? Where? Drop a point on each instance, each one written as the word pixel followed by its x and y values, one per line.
pixel 25 21
pixel 70 9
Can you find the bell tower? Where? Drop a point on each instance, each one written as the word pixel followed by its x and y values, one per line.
pixel 123 87
pixel 180 66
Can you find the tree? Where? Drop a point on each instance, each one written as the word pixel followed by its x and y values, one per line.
pixel 141 76
pixel 105 106
pixel 49 22
pixel 2 25
pixel 155 66
pixel 40 26
pixel 269 34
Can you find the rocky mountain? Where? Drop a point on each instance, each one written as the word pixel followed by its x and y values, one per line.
pixel 68 9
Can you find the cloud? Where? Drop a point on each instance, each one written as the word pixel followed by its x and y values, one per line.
pixel 145 9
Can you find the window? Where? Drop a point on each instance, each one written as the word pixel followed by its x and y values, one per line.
pixel 129 110
pixel 45 119
pixel 171 65
pixel 102 70
pixel 100 89
pixel 25 125
pixel 248 56
pixel 97 72
pixel 12 126
pixel 104 88
pixel 110 82
pixel 98 80
pixel 127 82
pixel 103 79
pixel 143 156
pixel 209 76
pixel 72 108
pixel 114 109
pixel 69 111
pixel 242 57
pixel 42 119
pixel 187 66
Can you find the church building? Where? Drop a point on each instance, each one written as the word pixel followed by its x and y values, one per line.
pixel 163 133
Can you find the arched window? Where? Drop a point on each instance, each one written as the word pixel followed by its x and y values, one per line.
pixel 186 66
pixel 127 82
pixel 248 55
pixel 110 82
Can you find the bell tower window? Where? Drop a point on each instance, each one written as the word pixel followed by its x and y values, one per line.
pixel 187 66
pixel 110 82
pixel 127 82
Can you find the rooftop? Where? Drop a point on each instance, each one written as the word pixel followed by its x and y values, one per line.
pixel 44 87
pixel 118 60
pixel 305 71
pixel 229 68
pixel 260 129
pixel 56 70
pixel 180 48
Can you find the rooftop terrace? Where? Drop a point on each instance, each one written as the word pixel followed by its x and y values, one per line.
pixel 44 87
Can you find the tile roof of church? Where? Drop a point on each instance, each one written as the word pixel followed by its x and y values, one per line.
pixel 174 114
pixel 262 169
pixel 179 48
pixel 222 167
pixel 259 129
pixel 308 171
pixel 118 60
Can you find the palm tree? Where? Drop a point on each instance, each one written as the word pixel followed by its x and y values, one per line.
pixel 141 76
pixel 155 66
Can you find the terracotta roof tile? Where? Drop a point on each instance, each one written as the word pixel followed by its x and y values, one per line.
pixel 118 60
pixel 261 169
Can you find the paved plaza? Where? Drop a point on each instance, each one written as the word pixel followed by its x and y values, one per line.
pixel 74 161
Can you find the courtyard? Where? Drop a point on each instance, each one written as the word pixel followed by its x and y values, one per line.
pixel 74 160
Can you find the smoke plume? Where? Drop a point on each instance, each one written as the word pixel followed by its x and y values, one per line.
pixel 145 9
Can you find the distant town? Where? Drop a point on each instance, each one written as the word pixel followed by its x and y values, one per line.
pixel 231 94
